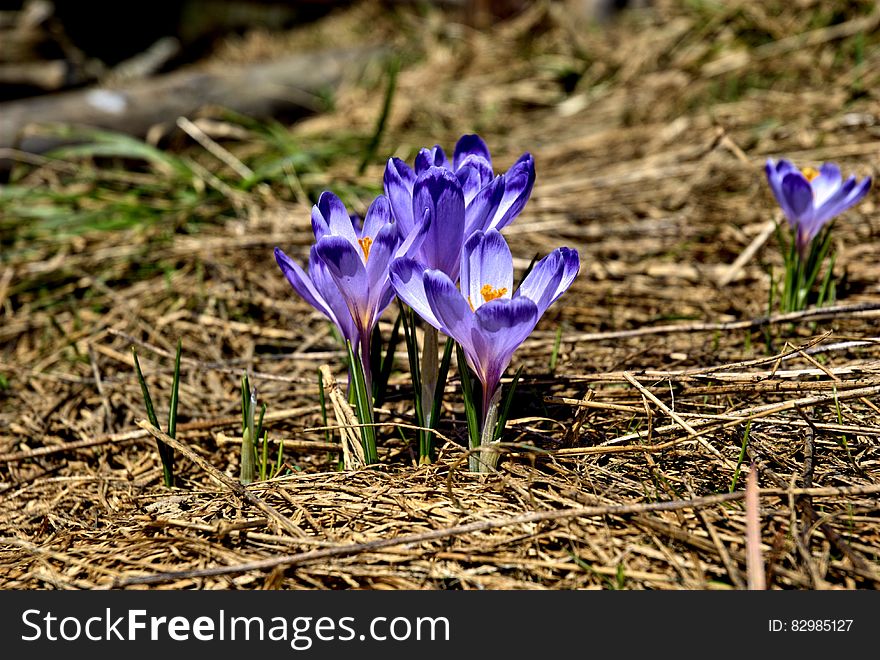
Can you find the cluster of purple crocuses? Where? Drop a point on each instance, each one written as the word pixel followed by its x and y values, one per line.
pixel 433 240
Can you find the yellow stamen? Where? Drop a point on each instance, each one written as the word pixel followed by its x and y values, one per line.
pixel 810 173
pixel 470 302
pixel 489 292
pixel 366 242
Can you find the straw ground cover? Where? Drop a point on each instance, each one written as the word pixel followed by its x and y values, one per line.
pixel 647 393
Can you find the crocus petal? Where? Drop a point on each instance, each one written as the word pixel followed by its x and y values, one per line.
pixel 470 145
pixel 438 191
pixel 413 242
pixel 449 308
pixel 483 207
pixel 381 253
pixel 378 215
pixel 302 284
pixel 428 158
pixel 399 180
pixel 329 291
pixel 501 327
pixel 826 184
pixel 799 195
pixel 474 173
pixel 486 261
pixel 347 269
pixel 336 216
pixel 775 173
pixel 518 183
pixel 849 194
pixel 407 280
pixel 550 278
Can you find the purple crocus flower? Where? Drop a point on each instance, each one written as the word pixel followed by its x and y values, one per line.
pixel 347 278
pixel 810 198
pixel 461 197
pixel 486 317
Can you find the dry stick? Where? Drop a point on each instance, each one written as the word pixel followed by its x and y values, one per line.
pixel 835 378
pixel 687 427
pixel 858 562
pixel 747 254
pixel 352 450
pixel 225 480
pixel 748 414
pixel 801 544
pixel 201 425
pixel 46 552
pixel 713 370
pixel 817 314
pixel 215 149
pixel 754 562
pixel 483 525
pixel 650 395
pixel 99 385
pixel 721 549
pixel 682 535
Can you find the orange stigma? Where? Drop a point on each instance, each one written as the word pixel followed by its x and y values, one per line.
pixel 491 293
pixel 366 243
pixel 810 173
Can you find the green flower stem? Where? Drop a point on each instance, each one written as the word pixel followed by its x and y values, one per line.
pixel 430 367
pixel 487 459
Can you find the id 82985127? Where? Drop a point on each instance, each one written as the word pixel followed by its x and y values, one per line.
pixel 810 625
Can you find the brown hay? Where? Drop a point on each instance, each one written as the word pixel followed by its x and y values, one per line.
pixel 617 465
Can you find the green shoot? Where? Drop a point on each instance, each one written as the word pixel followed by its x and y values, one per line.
pixel 363 407
pixel 742 455
pixel 166 454
pixel 470 406
pixel 370 153
pixel 254 440
pixel 554 356
pixel 426 438
pixel 505 407
pixel 323 402
pixel 801 284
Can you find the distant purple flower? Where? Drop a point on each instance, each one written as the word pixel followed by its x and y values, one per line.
pixel 485 317
pixel 810 198
pixel 461 197
pixel 348 267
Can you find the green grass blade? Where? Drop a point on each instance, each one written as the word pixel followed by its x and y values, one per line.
pixel 323 402
pixel 109 144
pixel 260 422
pixel 279 463
pixel 175 389
pixel 373 145
pixel 148 401
pixel 470 405
pixel 412 352
pixel 505 407
pixel 426 446
pixel 742 455
pixel 245 399
pixel 364 408
pixel 383 373
pixel 166 455
pixel 554 356
pixel 264 459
